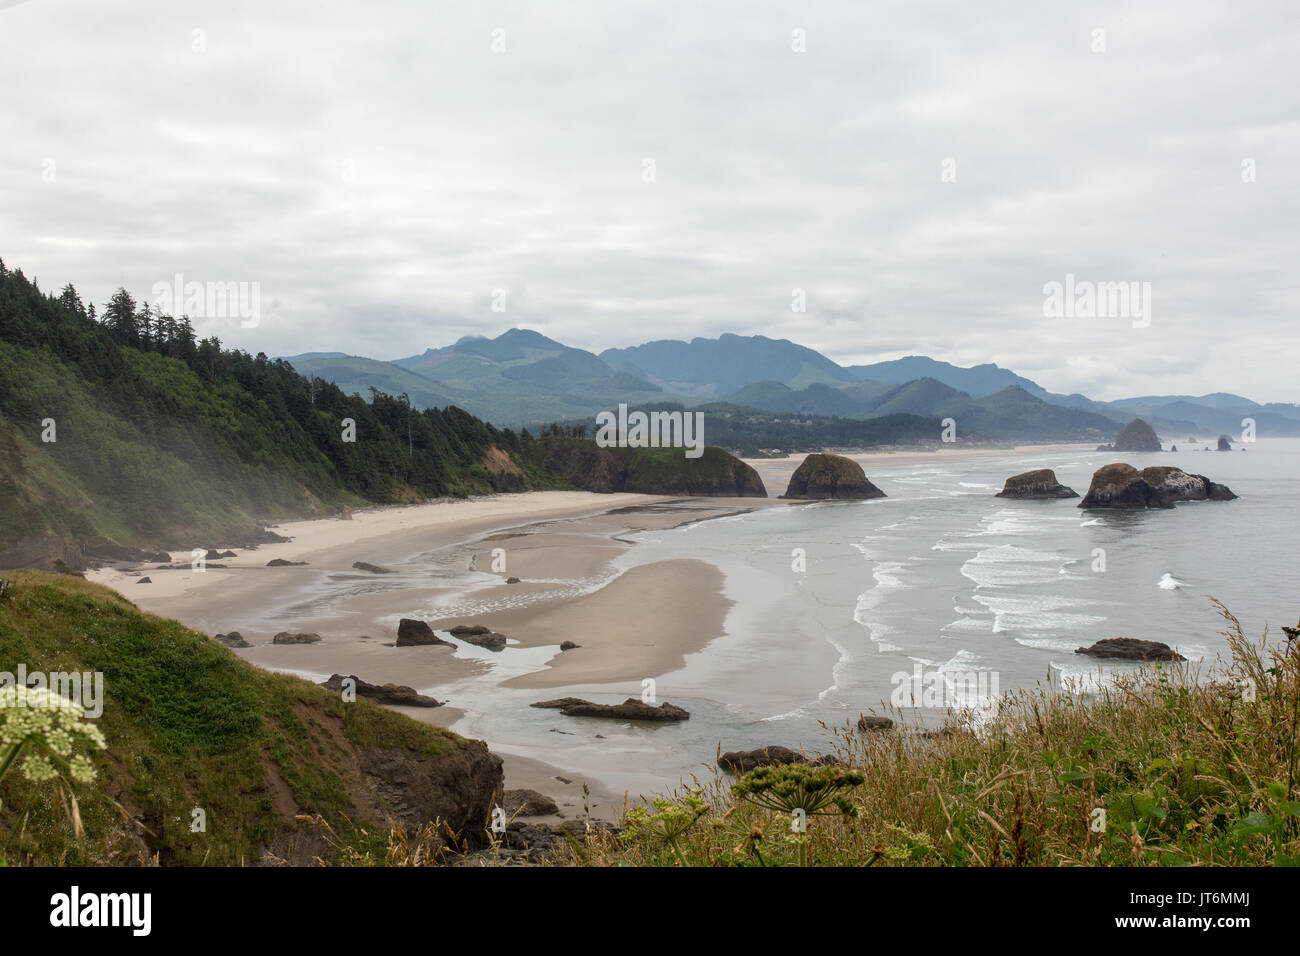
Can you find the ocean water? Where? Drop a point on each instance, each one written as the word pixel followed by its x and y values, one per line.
pixel 963 593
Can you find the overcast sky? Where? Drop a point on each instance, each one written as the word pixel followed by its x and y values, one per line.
pixel 380 170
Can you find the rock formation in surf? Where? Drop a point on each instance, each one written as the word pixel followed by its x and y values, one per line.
pixel 1178 485
pixel 823 476
pixel 1123 486
pixel 1130 649
pixel 631 709
pixel 1036 484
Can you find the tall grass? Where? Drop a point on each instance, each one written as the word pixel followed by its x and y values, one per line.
pixel 1163 766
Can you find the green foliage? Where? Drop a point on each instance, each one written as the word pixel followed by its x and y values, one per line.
pixel 164 439
pixel 188 724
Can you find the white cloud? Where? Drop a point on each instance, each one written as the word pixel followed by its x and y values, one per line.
pixel 379 170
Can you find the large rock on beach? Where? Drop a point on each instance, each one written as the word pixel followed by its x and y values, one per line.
pixel 823 476
pixel 398 694
pixel 413 633
pixel 479 635
pixel 284 637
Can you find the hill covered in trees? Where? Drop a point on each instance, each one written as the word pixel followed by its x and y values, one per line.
pixel 122 425
pixel 121 429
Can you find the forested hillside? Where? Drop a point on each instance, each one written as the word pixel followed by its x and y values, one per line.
pixel 123 425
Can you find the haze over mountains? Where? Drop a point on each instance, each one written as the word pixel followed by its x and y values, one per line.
pixel 523 378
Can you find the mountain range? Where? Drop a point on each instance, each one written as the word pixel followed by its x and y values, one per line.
pixel 521 378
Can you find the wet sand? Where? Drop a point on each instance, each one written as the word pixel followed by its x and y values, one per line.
pixel 451 556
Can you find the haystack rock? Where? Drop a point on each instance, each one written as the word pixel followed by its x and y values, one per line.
pixel 1225 443
pixel 1137 436
pixel 1036 484
pixel 824 476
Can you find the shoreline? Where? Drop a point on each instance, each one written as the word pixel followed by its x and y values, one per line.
pixel 563 547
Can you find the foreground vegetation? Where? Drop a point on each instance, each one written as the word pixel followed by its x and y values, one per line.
pixel 1164 767
pixel 188 725
pixel 1159 769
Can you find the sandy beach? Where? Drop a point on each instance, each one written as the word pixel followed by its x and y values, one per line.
pixel 449 563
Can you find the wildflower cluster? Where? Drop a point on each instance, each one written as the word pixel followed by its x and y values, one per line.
pixel 51 729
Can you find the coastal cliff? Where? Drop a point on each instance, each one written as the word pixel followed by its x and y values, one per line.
pixel 653 471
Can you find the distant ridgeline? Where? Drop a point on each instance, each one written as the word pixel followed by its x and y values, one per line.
pixel 123 428
pixel 754 432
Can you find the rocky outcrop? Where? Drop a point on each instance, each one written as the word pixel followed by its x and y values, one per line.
pixel 1036 484
pixel 823 476
pixel 1123 486
pixel 479 635
pixel 398 694
pixel 282 563
pixel 233 639
pixel 284 637
pixel 1131 649
pixel 651 471
pixel 528 803
pixel 540 843
pixel 413 633
pixel 743 761
pixel 1178 485
pixel 145 580
pixel 1137 435
pixel 372 568
pixel 870 722
pixel 459 786
pixel 569 646
pixel 631 709
pixel 1225 443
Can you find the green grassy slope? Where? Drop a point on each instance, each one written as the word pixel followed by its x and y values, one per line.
pixel 189 724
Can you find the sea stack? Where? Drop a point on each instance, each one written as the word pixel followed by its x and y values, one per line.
pixel 1036 484
pixel 823 476
pixel 1225 443
pixel 1137 435
pixel 1123 486
pixel 1178 485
